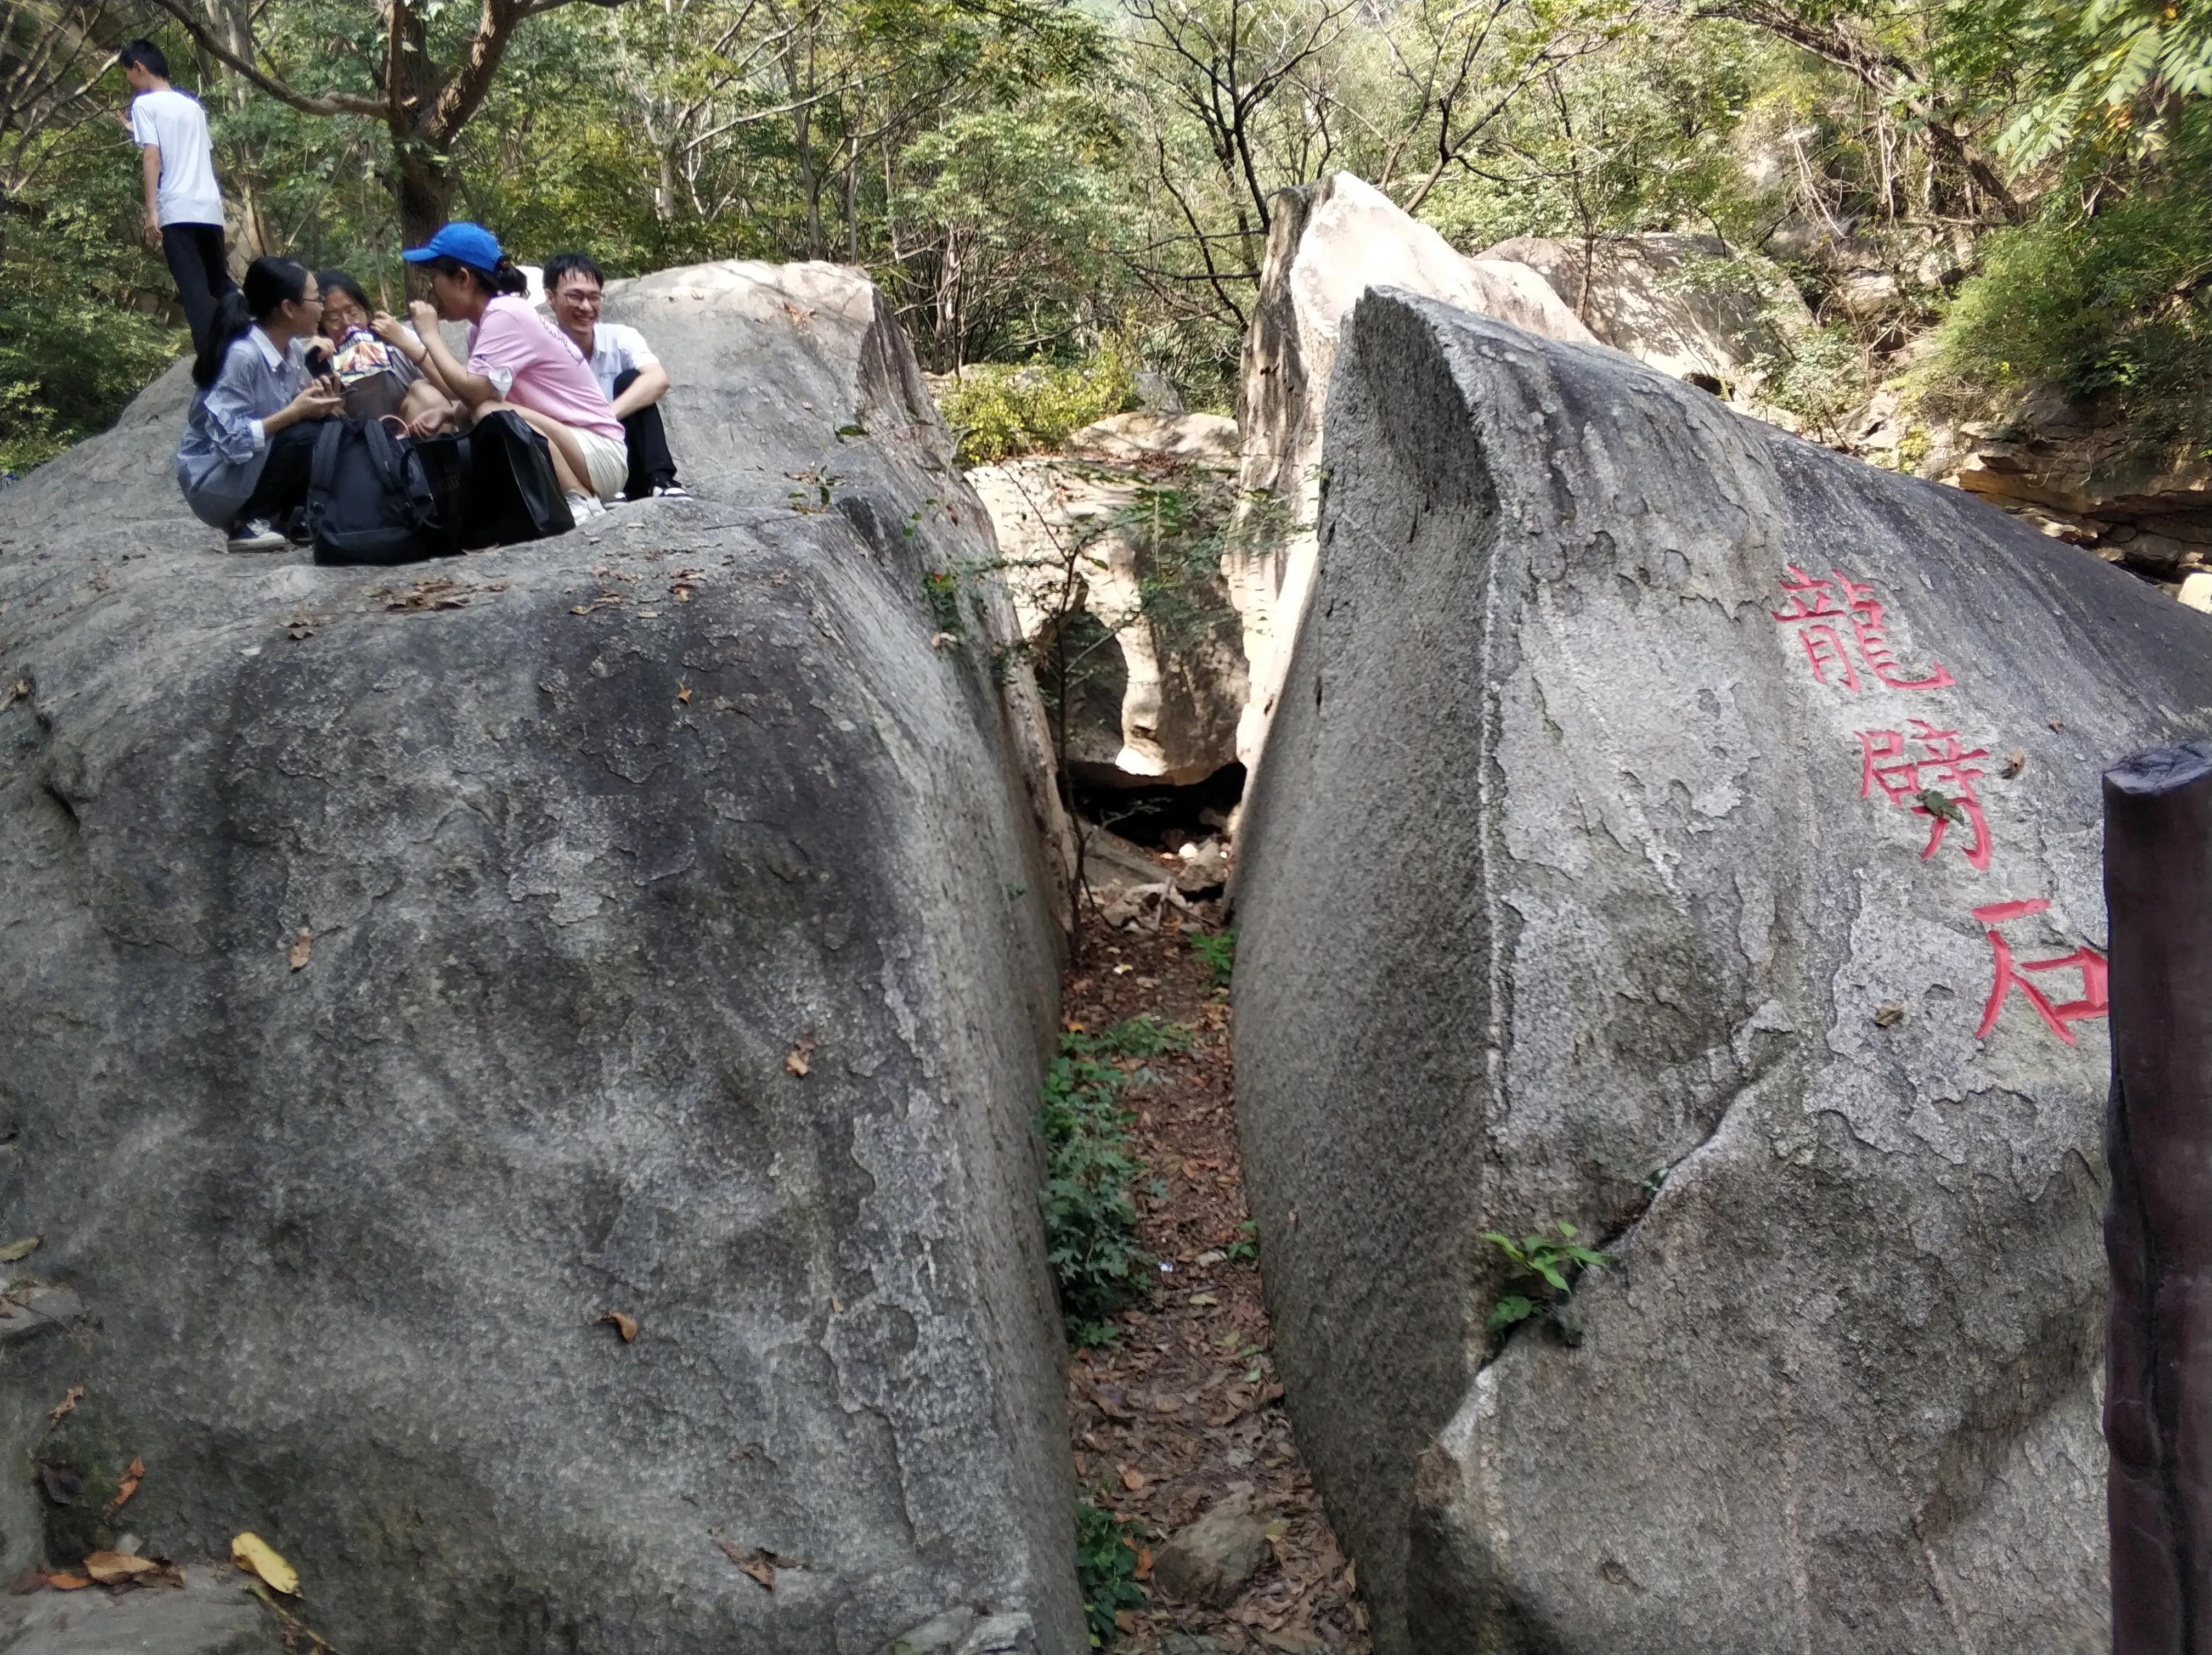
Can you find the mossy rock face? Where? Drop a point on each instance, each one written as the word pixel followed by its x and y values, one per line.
pixel 78 1471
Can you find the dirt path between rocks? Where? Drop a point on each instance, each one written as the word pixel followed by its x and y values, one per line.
pixel 1183 1413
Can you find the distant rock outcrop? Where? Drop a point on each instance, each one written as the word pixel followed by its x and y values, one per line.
pixel 1678 831
pixel 1681 304
pixel 1328 244
pixel 1112 552
pixel 2082 475
pixel 525 1062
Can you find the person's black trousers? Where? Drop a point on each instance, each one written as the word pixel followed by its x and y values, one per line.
pixel 651 465
pixel 202 272
pixel 285 474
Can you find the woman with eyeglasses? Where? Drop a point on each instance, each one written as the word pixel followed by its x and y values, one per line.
pixel 249 441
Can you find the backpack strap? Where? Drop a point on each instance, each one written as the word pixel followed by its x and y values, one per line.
pixel 325 469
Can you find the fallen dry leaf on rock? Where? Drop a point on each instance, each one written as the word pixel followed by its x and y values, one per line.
pixel 302 946
pixel 757 1564
pixel 1889 1014
pixel 129 1486
pixel 67 1582
pixel 683 692
pixel 255 1555
pixel 2013 765
pixel 66 1407
pixel 801 1054
pixel 19 1249
pixel 625 1325
pixel 109 1568
pixel 1131 1479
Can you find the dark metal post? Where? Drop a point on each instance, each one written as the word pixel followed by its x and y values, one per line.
pixel 2158 1224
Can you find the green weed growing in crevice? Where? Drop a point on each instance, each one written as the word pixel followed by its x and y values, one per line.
pixel 1548 1262
pixel 942 586
pixel 1091 1170
pixel 1107 1554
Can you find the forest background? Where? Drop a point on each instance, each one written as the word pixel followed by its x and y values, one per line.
pixel 1973 196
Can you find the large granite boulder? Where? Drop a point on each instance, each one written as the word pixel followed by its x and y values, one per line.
pixel 1110 553
pixel 1689 306
pixel 1678 831
pixel 1328 243
pixel 524 1062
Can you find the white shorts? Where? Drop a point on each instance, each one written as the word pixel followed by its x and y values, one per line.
pixel 608 459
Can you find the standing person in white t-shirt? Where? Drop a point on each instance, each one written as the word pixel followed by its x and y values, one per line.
pixel 184 205
pixel 626 369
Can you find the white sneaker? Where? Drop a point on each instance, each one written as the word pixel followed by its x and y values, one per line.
pixel 582 506
pixel 670 491
pixel 256 534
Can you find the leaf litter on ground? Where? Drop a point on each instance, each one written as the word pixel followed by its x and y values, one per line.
pixel 1200 1340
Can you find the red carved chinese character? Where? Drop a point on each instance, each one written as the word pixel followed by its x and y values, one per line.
pixel 1817 600
pixel 1874 641
pixel 1823 649
pixel 1886 764
pixel 1797 582
pixel 2093 1002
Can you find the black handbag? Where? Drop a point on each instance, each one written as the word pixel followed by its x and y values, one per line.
pixel 495 483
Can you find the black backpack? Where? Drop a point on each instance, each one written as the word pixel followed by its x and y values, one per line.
pixel 495 483
pixel 369 499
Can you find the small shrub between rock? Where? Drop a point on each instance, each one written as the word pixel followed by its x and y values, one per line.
pixel 1106 1558
pixel 1091 1170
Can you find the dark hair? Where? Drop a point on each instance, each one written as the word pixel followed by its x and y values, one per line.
pixel 144 54
pixel 269 284
pixel 562 265
pixel 337 281
pixel 508 278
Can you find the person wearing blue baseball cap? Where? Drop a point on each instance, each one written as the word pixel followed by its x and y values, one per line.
pixel 517 360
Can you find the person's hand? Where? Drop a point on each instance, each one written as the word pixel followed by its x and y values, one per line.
pixel 390 329
pixel 429 424
pixel 425 315
pixel 321 400
pixel 152 234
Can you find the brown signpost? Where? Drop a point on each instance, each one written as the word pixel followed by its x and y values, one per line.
pixel 2158 1224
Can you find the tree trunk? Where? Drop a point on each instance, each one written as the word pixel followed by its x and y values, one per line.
pixel 424 187
pixel 252 238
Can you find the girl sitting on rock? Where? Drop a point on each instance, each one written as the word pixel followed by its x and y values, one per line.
pixel 250 438
pixel 374 372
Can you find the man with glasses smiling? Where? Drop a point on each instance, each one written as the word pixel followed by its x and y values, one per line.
pixel 628 372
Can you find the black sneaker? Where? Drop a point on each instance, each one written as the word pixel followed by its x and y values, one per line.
pixel 256 534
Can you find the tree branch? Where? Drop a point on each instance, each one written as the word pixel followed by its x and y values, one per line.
pixel 333 103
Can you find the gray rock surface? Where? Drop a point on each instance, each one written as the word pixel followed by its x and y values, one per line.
pixel 1686 305
pixel 1329 242
pixel 205 1617
pixel 403 971
pixel 1111 556
pixel 1567 892
pixel 1210 1561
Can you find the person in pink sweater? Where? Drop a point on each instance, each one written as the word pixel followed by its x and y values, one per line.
pixel 516 360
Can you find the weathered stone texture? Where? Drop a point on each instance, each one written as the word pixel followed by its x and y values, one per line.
pixel 1109 553
pixel 1565 881
pixel 571 894
pixel 1682 304
pixel 1329 242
